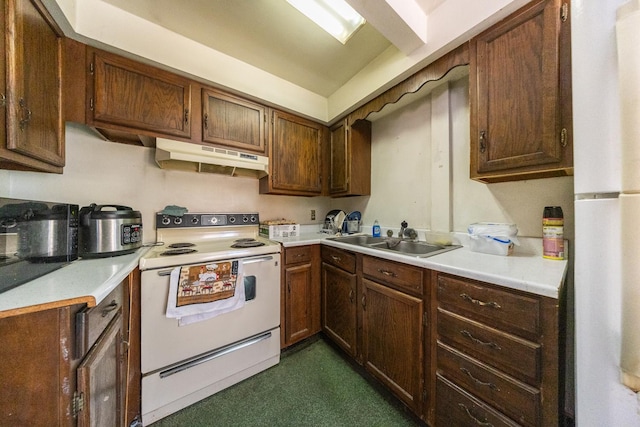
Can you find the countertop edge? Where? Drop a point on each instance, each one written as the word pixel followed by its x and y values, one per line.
pixel 528 273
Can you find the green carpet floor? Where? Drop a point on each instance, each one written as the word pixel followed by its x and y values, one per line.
pixel 311 386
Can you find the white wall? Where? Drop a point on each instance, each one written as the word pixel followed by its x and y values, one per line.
pixel 108 173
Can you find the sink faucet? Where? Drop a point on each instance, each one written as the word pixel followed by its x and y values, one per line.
pixel 407 232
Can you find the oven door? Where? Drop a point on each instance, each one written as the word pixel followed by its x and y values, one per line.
pixel 165 343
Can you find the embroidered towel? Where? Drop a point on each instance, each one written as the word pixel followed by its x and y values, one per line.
pixel 199 292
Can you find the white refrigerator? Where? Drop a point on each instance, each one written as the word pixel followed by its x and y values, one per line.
pixel 607 327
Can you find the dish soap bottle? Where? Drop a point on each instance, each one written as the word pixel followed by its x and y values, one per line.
pixel 376 228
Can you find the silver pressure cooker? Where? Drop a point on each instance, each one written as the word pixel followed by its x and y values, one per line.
pixel 108 230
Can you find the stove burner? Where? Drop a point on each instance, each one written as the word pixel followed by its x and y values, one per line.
pixel 181 245
pixel 180 251
pixel 247 243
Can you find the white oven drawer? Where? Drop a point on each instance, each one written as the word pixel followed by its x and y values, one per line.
pixel 163 342
pixel 164 392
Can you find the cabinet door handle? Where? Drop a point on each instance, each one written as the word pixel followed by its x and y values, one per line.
pixel 492 386
pixel 364 302
pixel 3 100
pixel 387 273
pixel 467 334
pixel 186 116
pixel 108 309
pixel 483 141
pixel 351 296
pixel 206 121
pixel 484 423
pixel 491 304
pixel 26 116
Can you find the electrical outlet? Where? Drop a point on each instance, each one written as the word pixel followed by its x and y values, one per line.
pixel 313 214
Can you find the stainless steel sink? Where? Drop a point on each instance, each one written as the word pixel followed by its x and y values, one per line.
pixel 405 247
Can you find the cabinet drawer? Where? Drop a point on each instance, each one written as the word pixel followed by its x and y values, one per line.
pixel 513 355
pixel 400 276
pixel 515 399
pixel 91 322
pixel 455 407
pixel 297 255
pixel 339 258
pixel 504 310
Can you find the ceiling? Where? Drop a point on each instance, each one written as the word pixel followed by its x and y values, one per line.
pixel 271 35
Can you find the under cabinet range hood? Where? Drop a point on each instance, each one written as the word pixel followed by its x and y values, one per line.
pixel 203 158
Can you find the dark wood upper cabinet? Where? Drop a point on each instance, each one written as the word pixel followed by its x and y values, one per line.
pixel 32 128
pixel 295 156
pixel 350 159
pixel 130 96
pixel 520 96
pixel 233 122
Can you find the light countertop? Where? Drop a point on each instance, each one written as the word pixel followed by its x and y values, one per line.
pixel 86 281
pixel 523 271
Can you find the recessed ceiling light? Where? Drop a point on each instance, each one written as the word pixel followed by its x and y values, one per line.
pixel 336 17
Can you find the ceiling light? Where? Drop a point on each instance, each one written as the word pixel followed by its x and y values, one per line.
pixel 336 17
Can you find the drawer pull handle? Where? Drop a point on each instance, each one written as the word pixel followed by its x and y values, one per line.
pixel 108 309
pixel 470 415
pixel 467 334
pixel 491 304
pixel 387 272
pixel 336 258
pixel 492 386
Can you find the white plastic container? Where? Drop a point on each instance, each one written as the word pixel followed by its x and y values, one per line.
pixel 493 238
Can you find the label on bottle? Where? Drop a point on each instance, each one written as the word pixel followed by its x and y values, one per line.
pixel 553 238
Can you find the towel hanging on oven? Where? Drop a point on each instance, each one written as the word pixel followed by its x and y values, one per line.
pixel 200 292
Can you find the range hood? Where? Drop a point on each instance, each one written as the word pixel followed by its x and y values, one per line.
pixel 203 158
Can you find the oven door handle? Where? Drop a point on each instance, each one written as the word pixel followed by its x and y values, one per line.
pixel 260 259
pixel 214 354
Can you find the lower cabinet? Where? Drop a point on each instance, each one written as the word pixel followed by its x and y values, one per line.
pixel 67 366
pixel 339 296
pixel 300 294
pixel 497 355
pixel 374 310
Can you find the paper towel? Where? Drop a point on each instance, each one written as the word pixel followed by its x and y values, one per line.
pixel 628 40
pixel 630 273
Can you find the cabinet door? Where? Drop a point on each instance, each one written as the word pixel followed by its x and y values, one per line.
pixel 298 317
pixel 130 96
pixel 33 69
pixel 350 159
pixel 516 95
pixel 339 155
pixel 392 341
pixel 100 380
pixel 232 122
pixel 339 307
pixel 295 156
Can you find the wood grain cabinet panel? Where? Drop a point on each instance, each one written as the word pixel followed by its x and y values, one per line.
pixel 339 299
pixel 233 122
pixel 300 294
pixel 32 129
pixel 521 95
pixel 295 156
pixel 350 159
pixel 392 341
pixel 130 96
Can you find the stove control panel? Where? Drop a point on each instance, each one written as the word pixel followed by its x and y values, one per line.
pixel 190 220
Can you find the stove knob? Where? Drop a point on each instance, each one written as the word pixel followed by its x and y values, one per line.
pixel 177 220
pixel 194 220
pixel 165 220
pixel 232 219
pixel 245 219
pixel 253 218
